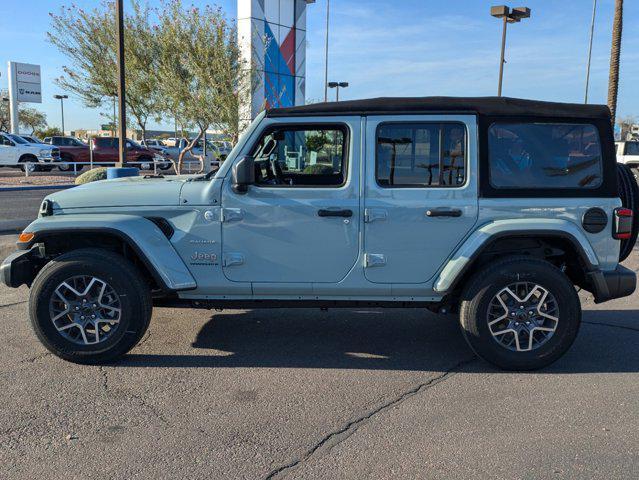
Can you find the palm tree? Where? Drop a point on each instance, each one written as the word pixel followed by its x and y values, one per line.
pixel 613 80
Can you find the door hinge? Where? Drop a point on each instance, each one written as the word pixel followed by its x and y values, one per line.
pixel 374 260
pixel 373 214
pixel 230 214
pixel 233 259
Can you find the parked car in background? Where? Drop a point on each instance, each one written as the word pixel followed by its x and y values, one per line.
pixel 105 151
pixel 155 145
pixel 191 159
pixel 628 153
pixel 31 139
pixel 15 151
pixel 71 150
pixel 170 142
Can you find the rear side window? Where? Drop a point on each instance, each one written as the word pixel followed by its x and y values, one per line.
pixel 421 155
pixel 632 148
pixel 544 155
pixel 106 142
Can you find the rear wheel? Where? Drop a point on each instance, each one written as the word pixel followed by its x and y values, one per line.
pixel 89 306
pixel 145 163
pixel 520 313
pixel 68 165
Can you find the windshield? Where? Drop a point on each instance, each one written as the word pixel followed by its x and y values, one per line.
pixel 18 139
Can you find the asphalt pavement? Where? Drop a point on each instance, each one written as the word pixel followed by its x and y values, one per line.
pixel 319 395
pixel 18 208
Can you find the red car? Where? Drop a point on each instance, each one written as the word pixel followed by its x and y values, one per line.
pixel 105 150
pixel 71 150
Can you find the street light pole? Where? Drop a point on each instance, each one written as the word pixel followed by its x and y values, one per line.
pixel 337 86
pixel 328 9
pixel 61 98
pixel 592 32
pixel 508 15
pixel 121 84
pixel 501 61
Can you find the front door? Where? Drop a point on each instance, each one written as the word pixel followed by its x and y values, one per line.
pixel 420 194
pixel 7 151
pixel 299 224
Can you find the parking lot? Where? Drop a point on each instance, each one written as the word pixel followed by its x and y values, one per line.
pixel 314 394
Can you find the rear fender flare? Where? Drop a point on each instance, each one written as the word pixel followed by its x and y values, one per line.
pixel 480 239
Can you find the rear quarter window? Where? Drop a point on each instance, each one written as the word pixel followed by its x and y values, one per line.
pixel 544 156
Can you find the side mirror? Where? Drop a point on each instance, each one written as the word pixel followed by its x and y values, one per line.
pixel 243 174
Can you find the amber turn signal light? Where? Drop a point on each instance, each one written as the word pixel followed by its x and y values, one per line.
pixel 26 237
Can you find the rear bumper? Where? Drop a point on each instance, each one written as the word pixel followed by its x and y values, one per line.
pixel 19 268
pixel 617 283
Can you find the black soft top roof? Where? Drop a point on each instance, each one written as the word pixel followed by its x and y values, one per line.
pixel 492 106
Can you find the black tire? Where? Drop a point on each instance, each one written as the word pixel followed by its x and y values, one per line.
pixel 144 160
pixel 65 157
pixel 629 195
pixel 165 166
pixel 30 159
pixel 488 282
pixel 121 275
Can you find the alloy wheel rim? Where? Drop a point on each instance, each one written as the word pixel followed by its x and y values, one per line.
pixel 85 310
pixel 523 316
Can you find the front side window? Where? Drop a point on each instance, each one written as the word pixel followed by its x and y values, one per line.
pixel 421 155
pixel 544 155
pixel 301 157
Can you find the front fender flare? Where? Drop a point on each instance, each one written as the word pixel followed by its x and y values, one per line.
pixel 473 246
pixel 141 234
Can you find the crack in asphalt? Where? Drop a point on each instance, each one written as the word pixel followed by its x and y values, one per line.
pixel 36 357
pixel 105 379
pixel 13 304
pixel 603 324
pixel 139 398
pixel 143 341
pixel 338 436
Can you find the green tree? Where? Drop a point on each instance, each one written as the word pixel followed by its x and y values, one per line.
pixel 88 40
pixel 202 72
pixel 32 119
pixel 48 132
pixel 29 118
pixel 5 118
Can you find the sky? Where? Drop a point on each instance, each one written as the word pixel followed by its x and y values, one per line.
pixel 397 48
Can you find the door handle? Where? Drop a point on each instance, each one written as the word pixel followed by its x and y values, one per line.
pixel 335 213
pixel 444 212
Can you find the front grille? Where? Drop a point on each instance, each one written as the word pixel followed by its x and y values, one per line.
pixel 55 152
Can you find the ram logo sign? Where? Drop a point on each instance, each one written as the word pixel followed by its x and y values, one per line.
pixel 28 83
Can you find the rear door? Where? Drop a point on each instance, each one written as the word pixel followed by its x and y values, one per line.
pixel 420 194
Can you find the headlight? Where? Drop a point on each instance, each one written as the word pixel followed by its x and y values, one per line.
pixel 45 153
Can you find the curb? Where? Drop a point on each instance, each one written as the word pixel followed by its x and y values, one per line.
pixel 37 187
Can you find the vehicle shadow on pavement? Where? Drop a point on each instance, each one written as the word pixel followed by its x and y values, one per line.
pixel 410 340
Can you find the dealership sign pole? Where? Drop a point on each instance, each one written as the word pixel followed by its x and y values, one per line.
pixel 24 86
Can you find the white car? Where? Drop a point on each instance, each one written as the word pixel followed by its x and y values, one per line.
pixel 15 151
pixel 156 145
pixel 628 153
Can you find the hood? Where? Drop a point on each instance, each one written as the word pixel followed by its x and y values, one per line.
pixel 121 192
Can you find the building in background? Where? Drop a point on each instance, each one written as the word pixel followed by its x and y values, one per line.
pixel 272 36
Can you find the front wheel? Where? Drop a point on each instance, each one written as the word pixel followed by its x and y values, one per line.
pixel 89 306
pixel 520 313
